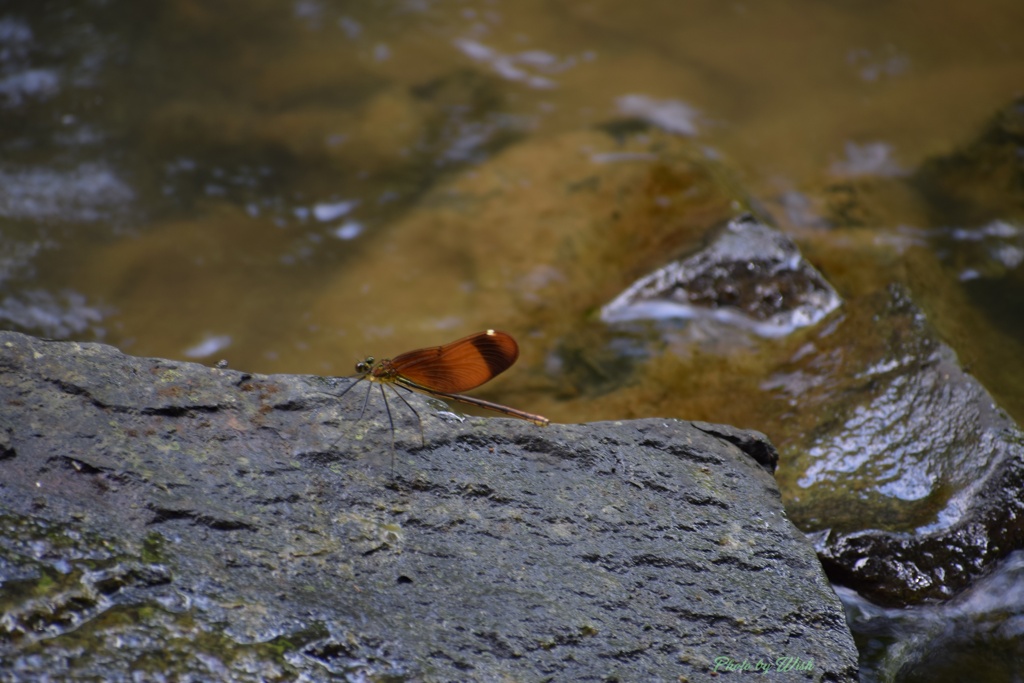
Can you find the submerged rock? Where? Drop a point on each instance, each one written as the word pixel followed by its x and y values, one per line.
pixel 750 275
pixel 167 519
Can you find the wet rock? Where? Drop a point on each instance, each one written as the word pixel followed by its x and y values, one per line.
pixel 172 520
pixel 750 275
pixel 970 638
pixel 912 477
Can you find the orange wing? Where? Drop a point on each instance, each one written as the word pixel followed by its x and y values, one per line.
pixel 462 365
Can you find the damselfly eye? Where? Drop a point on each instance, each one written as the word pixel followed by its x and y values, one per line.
pixel 363 366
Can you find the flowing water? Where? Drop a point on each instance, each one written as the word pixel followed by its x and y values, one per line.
pixel 293 185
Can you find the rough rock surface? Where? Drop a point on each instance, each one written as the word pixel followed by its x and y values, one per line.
pixel 167 520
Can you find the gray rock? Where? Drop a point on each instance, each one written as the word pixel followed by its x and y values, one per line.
pixel 165 519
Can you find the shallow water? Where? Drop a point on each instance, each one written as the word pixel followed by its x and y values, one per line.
pixel 277 183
